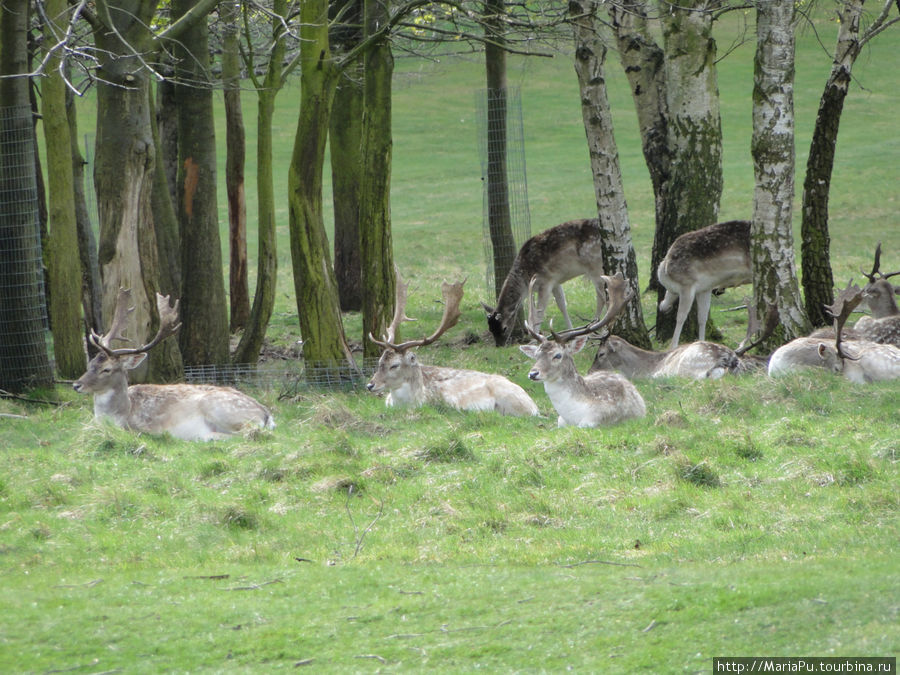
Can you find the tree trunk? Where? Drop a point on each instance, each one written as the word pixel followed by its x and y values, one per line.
pixel 375 244
pixel 691 197
pixel 771 239
pixel 503 244
pixel 64 264
pixel 24 362
pixel 204 316
pixel 324 344
pixel 234 166
pixel 252 338
pixel 345 141
pixel 618 250
pixel 123 179
pixel 818 280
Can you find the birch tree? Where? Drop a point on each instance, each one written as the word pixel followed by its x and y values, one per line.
pixel 771 237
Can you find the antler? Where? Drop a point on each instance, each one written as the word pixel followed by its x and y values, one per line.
pixel 619 295
pixel 168 324
pixel 452 294
pixel 876 273
pixel 841 308
pixel 532 312
pixel 753 326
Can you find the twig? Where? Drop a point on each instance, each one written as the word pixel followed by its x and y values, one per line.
pixel 601 562
pixel 86 584
pixel 650 627
pixel 361 537
pixel 210 576
pixel 253 587
pixel 19 397
pixel 380 659
pixel 14 417
pixel 304 662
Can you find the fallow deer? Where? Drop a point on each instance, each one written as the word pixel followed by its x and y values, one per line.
pixel 408 382
pixel 186 411
pixel 552 257
pixel 695 360
pixel 716 256
pixel 599 398
pixel 878 294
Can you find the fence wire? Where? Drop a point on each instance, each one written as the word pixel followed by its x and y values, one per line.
pixel 493 149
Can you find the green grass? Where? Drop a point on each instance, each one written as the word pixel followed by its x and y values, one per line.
pixel 740 517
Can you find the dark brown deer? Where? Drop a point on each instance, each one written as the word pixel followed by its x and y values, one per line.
pixel 716 256
pixel 186 411
pixel 408 382
pixel 551 258
pixel 599 398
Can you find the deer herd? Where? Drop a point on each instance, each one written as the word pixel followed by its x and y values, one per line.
pixel 697 263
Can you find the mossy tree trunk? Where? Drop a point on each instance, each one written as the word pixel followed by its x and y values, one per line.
pixel 376 248
pixel 618 250
pixel 64 263
pixel 324 343
pixel 771 238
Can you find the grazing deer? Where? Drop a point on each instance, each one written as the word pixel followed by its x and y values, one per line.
pixel 716 256
pixel 410 383
pixel 599 398
pixel 696 360
pixel 552 257
pixel 878 294
pixel 186 411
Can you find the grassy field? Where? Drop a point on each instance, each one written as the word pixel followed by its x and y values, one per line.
pixel 740 517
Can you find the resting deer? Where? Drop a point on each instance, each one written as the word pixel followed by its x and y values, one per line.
pixel 696 360
pixel 599 398
pixel 858 360
pixel 552 257
pixel 410 383
pixel 716 256
pixel 878 294
pixel 186 411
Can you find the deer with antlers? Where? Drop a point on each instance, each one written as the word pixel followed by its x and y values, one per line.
pixel 716 256
pixel 878 294
pixel 600 398
pixel 186 411
pixel 857 360
pixel 408 382
pixel 695 360
pixel 551 257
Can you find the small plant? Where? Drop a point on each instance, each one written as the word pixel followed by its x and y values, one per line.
pixel 454 449
pixel 700 474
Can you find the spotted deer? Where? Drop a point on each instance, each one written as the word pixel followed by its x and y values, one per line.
pixel 716 256
pixel 600 398
pixel 408 382
pixel 186 411
pixel 884 323
pixel 551 257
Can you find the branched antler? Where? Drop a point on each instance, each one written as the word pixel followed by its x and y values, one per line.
pixel 168 324
pixel 841 308
pixel 753 327
pixel 876 273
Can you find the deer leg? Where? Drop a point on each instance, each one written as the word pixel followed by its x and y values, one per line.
pixel 600 287
pixel 560 296
pixel 544 291
pixel 703 302
pixel 685 302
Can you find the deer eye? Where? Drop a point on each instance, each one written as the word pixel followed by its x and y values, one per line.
pixel 394 366
pixel 557 356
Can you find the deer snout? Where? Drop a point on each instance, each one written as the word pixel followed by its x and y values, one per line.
pixel 370 386
pixel 77 386
pixel 534 375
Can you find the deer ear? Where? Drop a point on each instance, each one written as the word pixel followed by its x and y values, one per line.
pixel 576 345
pixel 529 350
pixel 411 358
pixel 132 361
pixel 822 350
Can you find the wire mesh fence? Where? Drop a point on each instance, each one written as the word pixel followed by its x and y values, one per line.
pixel 501 145
pixel 24 359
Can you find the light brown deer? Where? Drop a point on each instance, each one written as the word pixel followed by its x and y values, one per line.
pixel 408 382
pixel 695 360
pixel 599 398
pixel 878 294
pixel 551 257
pixel 716 256
pixel 186 411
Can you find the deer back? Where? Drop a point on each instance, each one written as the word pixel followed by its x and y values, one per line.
pixel 714 256
pixel 862 361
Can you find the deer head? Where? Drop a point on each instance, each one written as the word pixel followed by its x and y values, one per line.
pixel 398 364
pixel 107 370
pixel 879 292
pixel 554 355
pixel 840 309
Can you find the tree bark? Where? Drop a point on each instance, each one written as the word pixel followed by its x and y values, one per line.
pixel 818 280
pixel 618 250
pixel 771 239
pixel 24 362
pixel 375 244
pixel 345 141
pixel 324 344
pixel 204 317
pixel 691 196
pixel 252 338
pixel 235 145
pixel 64 264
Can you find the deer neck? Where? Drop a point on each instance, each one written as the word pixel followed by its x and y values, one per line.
pixel 513 292
pixel 114 404
pixel 637 361
pixel 413 391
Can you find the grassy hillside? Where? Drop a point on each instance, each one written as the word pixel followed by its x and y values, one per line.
pixel 740 517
